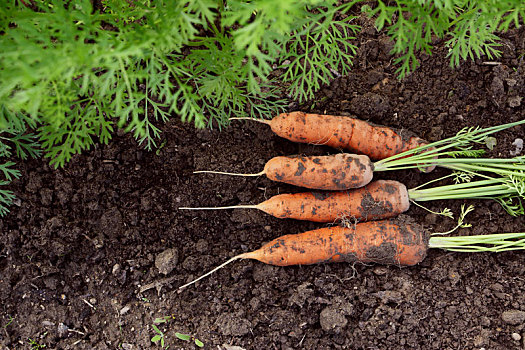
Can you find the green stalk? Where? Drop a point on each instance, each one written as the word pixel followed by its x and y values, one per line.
pixel 495 243
pixel 433 153
pixel 488 166
pixel 503 189
pixel 469 190
pixel 451 161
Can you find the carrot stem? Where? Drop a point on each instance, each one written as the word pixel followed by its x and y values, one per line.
pixel 513 170
pixel 428 155
pixel 504 189
pixel 420 161
pixel 475 189
pixel 495 243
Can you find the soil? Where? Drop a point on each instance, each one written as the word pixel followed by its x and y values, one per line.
pixel 93 253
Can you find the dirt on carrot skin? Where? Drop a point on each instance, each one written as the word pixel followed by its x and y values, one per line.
pixel 371 208
pixel 82 241
pixel 383 254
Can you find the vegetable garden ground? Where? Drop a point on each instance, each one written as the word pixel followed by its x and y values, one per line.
pixel 84 242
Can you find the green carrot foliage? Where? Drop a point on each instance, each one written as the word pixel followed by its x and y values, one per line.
pixel 71 74
pixel 470 27
pixel 79 72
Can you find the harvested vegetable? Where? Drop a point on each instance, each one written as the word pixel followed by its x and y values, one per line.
pixel 345 171
pixel 342 132
pixel 391 242
pixel 336 172
pixel 382 199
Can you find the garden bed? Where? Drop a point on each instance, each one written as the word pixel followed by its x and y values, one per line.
pixel 82 245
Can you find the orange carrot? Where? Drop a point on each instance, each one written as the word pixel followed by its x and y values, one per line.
pixel 380 199
pixel 336 172
pixel 377 142
pixel 394 242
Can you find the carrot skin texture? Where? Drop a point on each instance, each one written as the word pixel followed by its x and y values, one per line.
pixel 337 172
pixel 377 142
pixel 390 242
pixel 379 199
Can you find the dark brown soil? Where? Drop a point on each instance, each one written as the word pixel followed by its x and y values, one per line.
pixel 84 241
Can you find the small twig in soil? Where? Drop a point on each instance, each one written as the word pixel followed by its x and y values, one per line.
pixel 157 284
pixel 75 331
pixel 89 304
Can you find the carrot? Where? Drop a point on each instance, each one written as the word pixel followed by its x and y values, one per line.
pixel 380 199
pixel 344 171
pixel 336 172
pixel 394 242
pixel 377 142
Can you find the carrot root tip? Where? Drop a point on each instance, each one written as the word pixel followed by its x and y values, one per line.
pixel 264 121
pixel 237 257
pixel 226 173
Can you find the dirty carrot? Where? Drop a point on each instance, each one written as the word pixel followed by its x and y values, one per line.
pixel 380 199
pixel 386 241
pixel 342 132
pixel 383 199
pixel 336 172
pixel 389 146
pixel 345 171
pixel 391 242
